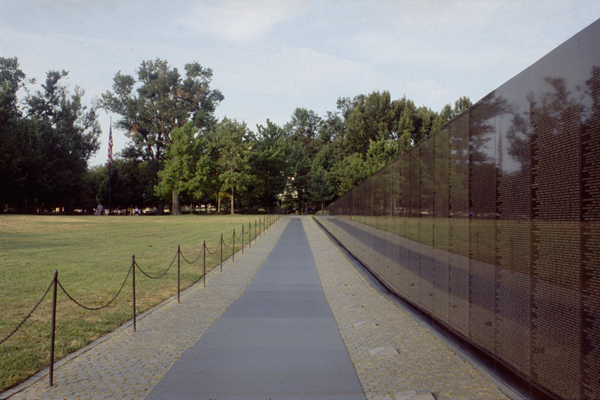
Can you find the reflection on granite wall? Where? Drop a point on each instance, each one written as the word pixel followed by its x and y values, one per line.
pixel 492 224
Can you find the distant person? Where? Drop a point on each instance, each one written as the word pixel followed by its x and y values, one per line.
pixel 99 209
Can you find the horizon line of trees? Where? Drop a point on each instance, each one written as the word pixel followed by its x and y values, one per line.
pixel 180 153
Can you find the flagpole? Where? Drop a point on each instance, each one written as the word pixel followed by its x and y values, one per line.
pixel 109 166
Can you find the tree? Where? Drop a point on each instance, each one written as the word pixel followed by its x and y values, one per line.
pixel 183 168
pixel 461 105
pixel 372 118
pixel 11 81
pixel 320 188
pixel 159 101
pixel 303 127
pixel 234 140
pixel 349 172
pixel 381 153
pixel 269 163
pixel 66 114
pixel 44 146
pixel 299 164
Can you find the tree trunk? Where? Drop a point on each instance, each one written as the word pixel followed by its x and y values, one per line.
pixel 176 207
pixel 232 202
pixel 218 202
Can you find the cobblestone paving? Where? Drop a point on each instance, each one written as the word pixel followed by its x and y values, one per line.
pixel 391 352
pixel 126 364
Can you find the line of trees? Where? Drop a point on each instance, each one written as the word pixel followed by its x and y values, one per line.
pixel 180 153
pixel 46 140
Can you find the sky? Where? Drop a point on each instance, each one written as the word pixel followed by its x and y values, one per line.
pixel 270 57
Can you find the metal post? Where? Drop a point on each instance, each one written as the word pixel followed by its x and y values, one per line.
pixel 242 238
pixel 255 231
pixel 133 287
pixel 221 252
pixel 52 334
pixel 233 249
pixel 178 272
pixel 204 253
pixel 249 235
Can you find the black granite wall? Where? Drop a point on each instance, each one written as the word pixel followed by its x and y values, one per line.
pixel 492 224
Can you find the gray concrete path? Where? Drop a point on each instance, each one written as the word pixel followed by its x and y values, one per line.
pixel 393 356
pixel 278 340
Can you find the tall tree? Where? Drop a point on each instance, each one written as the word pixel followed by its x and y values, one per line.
pixel 372 118
pixel 320 188
pixel 303 127
pixel 11 81
pixel 184 161
pixel 269 163
pixel 45 141
pixel 66 113
pixel 160 100
pixel 234 141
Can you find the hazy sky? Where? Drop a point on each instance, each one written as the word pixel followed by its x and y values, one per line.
pixel 269 56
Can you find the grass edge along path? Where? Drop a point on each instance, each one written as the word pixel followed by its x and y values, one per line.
pixel 93 256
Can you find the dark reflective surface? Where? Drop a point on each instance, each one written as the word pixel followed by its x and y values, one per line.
pixel 492 224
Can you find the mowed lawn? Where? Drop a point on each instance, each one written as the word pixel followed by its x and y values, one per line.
pixel 93 255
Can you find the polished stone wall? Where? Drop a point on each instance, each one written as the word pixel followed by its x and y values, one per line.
pixel 492 224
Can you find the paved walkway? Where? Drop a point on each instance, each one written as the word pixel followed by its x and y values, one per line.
pixel 277 340
pixel 394 357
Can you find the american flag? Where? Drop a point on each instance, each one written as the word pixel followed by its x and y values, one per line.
pixel 110 144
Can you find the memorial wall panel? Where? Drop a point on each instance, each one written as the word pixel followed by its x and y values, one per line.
pixel 404 270
pixel 426 224
pixel 383 200
pixel 513 240
pixel 384 220
pixel 459 224
pixel 389 207
pixel 482 214
pixel 556 267
pixel 391 222
pixel 492 224
pixel 413 246
pixel 589 81
pixel 395 186
pixel 441 231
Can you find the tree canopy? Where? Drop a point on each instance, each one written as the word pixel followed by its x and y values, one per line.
pixel 46 141
pixel 180 152
pixel 159 101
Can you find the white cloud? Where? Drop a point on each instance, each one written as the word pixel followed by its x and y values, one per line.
pixel 428 88
pixel 240 21
pixel 291 70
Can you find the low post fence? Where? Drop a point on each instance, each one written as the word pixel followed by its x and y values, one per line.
pixel 269 220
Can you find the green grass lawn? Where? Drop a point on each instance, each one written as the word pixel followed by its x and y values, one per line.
pixel 93 255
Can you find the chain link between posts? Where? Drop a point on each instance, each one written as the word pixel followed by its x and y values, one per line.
pixel 28 315
pixel 95 308
pixel 161 275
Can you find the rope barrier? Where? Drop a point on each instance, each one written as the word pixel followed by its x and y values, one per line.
pixel 211 253
pixel 192 262
pixel 28 315
pixel 161 275
pixel 230 243
pixel 95 308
